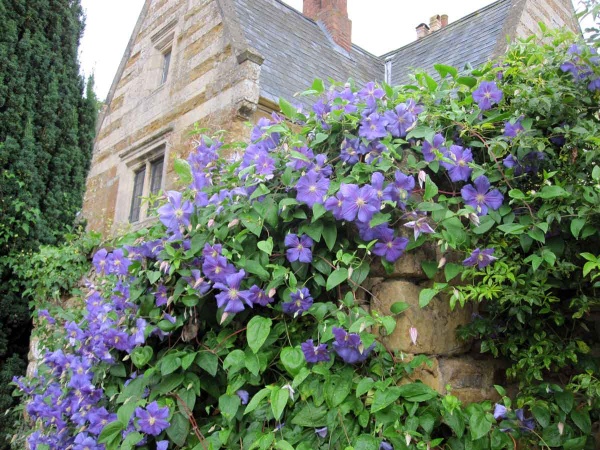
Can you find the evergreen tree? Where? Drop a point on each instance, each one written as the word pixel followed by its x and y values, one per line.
pixel 46 137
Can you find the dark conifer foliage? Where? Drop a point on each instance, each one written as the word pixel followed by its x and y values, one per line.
pixel 46 135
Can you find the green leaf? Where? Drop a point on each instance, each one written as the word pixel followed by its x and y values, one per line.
pixel 430 268
pixel 421 131
pixel 455 421
pixel 252 222
pixel 258 397
pixel 364 386
pixel 399 307
pixel 292 359
pixel 431 83
pixel 257 332
pixel 320 137
pixel 318 211
pixel 444 70
pixel 467 81
pixel 431 189
pixel 417 392
pixel 480 423
pixel 183 170
pixel 336 389
pixel 140 356
pixel 286 108
pixel 425 296
pixel 169 383
pixel 330 235
pixel 576 226
pixel 208 361
pixel 179 429
pixel 131 440
pixel 451 270
pixel 548 192
pixel 318 86
pixel 564 400
pixel 256 268
pixel 279 399
pixel 336 277
pixel 311 416
pixel 365 442
pixel 260 191
pixel 229 405
pixel 516 194
pixel 542 415
pixel 384 398
pixel 596 173
pixel 266 246
pixel 512 228
pixel 537 235
pixel 111 433
pixel 378 219
pixel 170 364
pixel 581 418
pixel 577 443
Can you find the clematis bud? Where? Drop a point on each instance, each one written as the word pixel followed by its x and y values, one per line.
pixel 561 428
pixel 422 178
pixel 474 218
pixel 290 390
pixel 233 223
pixel 210 223
pixel 413 335
pixel 224 317
pixel 407 438
pixel 272 292
pixel 442 262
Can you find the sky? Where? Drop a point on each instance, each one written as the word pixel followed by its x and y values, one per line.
pixel 377 25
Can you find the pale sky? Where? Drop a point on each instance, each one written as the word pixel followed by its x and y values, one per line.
pixel 377 25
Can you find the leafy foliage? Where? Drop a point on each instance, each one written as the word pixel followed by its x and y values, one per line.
pixel 238 320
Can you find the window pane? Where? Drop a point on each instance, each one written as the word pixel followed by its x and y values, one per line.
pixel 156 170
pixel 166 63
pixel 138 189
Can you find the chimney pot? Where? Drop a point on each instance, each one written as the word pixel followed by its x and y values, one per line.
pixel 435 23
pixel 334 15
pixel 444 20
pixel 422 30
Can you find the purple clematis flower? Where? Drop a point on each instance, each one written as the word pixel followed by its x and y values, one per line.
pixel 487 94
pixel 480 197
pixel 481 258
pixel 312 188
pixel 300 301
pixel 458 168
pixel 389 247
pixel 300 248
pixel 512 129
pixel 419 225
pixel 500 411
pixel 231 296
pixel 175 213
pixel 428 148
pixel 401 188
pixel 258 297
pixel 361 203
pixel 373 127
pixel 525 424
pixel 377 180
pixel 100 261
pixel 350 347
pixel 370 93
pixel 321 432
pixel 243 395
pixel 152 420
pixel 399 120
pixel 315 353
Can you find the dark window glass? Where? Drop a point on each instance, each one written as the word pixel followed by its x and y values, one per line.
pixel 138 190
pixel 166 63
pixel 156 170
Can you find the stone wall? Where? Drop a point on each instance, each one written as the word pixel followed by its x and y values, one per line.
pixel 211 81
pixel 471 375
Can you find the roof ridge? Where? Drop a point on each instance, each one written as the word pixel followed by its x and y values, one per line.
pixel 449 26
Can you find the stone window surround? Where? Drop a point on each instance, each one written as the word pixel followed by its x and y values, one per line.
pixel 163 42
pixel 131 160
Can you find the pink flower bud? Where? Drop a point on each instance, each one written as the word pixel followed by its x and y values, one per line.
pixel 210 223
pixel 422 178
pixel 272 292
pixel 442 262
pixel 474 218
pixel 561 428
pixel 233 223
pixel 413 335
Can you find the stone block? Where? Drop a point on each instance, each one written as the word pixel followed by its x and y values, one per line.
pixel 408 266
pixel 436 324
pixel 471 378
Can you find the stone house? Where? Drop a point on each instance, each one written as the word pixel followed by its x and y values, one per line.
pixel 222 63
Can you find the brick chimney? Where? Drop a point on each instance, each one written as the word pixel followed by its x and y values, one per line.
pixel 422 30
pixel 435 23
pixel 444 19
pixel 334 15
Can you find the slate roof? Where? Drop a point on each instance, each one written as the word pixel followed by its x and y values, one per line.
pixel 297 50
pixel 470 40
